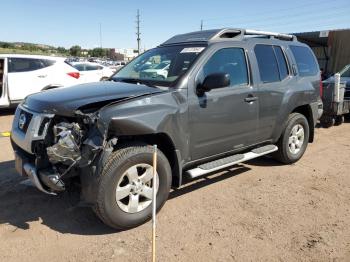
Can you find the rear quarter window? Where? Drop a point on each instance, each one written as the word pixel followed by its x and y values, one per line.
pixel 306 63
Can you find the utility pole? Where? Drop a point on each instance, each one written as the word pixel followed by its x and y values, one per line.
pixel 138 30
pixel 201 25
pixel 100 35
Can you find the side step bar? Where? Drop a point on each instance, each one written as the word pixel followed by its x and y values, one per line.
pixel 230 161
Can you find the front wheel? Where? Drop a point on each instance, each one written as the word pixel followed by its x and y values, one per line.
pixel 294 139
pixel 125 187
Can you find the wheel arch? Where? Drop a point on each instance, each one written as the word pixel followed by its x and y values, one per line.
pixel 306 111
pixel 165 144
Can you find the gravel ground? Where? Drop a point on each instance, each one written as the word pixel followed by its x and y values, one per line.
pixel 258 211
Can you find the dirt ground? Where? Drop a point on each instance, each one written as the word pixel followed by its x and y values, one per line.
pixel 259 211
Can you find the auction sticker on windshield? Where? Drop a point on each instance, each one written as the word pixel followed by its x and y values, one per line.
pixel 192 49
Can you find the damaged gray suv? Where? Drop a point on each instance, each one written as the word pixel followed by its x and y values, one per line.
pixel 226 96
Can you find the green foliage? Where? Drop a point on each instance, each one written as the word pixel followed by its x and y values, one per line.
pixel 98 52
pixel 75 50
pixel 61 50
pixel 6 45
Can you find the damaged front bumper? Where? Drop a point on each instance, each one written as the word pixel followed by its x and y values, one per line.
pixel 48 147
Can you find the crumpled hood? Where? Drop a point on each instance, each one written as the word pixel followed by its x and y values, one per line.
pixel 65 101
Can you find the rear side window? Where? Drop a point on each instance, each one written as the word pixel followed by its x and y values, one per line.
pixel 305 60
pixel 16 65
pixel 92 67
pixel 48 62
pixel 79 67
pixel 281 61
pixel 267 63
pixel 272 63
pixel 231 61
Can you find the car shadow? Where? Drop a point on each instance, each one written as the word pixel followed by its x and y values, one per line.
pixel 21 203
pixel 264 161
pixel 190 185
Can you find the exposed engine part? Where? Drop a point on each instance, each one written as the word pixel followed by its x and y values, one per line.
pixel 68 138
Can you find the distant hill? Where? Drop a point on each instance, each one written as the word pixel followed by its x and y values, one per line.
pixel 30 48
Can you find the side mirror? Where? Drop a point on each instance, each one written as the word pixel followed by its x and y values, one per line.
pixel 213 81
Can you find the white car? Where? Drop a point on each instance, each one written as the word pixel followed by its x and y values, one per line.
pixel 22 75
pixel 92 72
pixel 160 71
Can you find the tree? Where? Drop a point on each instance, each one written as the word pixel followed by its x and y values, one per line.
pixel 61 50
pixel 75 50
pixel 98 52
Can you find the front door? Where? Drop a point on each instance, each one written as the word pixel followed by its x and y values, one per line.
pixel 223 119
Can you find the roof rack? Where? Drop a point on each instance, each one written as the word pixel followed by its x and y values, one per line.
pixel 240 33
pixel 266 33
pixel 223 34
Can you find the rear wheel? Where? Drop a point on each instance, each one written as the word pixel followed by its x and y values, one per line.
pixel 126 183
pixel 294 139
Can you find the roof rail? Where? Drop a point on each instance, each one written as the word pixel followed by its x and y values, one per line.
pixel 229 33
pixel 266 33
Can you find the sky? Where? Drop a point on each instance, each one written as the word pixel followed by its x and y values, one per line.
pixel 66 23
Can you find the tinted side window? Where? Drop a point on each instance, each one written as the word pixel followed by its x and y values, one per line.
pixel 231 61
pixel 79 67
pixel 267 63
pixel 16 65
pixel 305 61
pixel 281 61
pixel 91 67
pixel 47 62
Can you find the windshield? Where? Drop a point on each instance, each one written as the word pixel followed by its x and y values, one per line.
pixel 167 63
pixel 345 72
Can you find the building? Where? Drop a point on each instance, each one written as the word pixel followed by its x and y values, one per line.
pixel 129 53
pixel 331 47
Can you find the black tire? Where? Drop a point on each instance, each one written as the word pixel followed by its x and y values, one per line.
pixel 284 154
pixel 339 120
pixel 327 121
pixel 106 206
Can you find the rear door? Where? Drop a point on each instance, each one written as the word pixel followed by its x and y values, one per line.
pixel 274 80
pixel 25 76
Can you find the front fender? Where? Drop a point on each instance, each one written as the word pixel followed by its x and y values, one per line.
pixel 158 113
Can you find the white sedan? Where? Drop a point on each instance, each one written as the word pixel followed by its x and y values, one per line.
pixel 92 72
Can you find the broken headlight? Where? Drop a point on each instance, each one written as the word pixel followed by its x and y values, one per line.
pixel 66 149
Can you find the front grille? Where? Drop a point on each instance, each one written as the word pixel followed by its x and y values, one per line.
pixel 45 121
pixel 28 118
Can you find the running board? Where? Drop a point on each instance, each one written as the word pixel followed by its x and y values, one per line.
pixel 230 161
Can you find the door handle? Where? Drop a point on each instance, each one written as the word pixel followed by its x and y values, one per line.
pixel 42 76
pixel 250 98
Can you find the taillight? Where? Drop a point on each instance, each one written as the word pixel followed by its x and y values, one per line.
pixel 321 89
pixel 74 74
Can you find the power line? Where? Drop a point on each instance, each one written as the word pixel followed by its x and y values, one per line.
pixel 138 31
pixel 100 35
